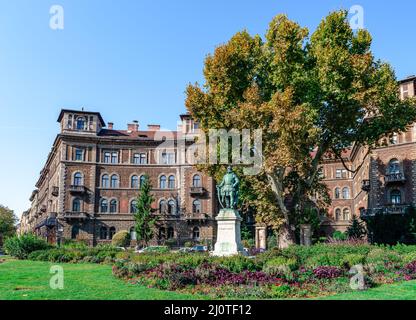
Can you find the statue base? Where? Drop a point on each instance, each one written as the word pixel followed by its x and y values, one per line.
pixel 228 234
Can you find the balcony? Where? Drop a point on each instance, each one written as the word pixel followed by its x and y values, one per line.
pixel 75 215
pixel 197 191
pixel 77 189
pixel 55 191
pixel 387 210
pixel 365 185
pixel 394 178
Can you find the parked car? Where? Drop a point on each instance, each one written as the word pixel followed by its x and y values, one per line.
pixel 184 250
pixel 199 249
pixel 157 249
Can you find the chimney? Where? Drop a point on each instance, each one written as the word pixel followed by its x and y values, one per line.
pixel 153 127
pixel 110 125
pixel 133 127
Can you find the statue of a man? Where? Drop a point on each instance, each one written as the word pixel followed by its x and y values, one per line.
pixel 228 190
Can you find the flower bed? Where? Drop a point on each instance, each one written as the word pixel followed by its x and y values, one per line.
pixel 295 272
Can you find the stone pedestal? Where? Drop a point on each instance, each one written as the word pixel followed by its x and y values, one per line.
pixel 261 237
pixel 306 235
pixel 228 234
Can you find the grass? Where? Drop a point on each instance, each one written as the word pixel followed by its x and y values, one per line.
pixel 28 280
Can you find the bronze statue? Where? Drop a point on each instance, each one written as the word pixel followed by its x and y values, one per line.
pixel 228 190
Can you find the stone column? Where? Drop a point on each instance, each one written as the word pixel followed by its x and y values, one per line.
pixel 306 235
pixel 261 237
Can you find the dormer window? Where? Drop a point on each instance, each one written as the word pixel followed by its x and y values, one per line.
pixel 81 123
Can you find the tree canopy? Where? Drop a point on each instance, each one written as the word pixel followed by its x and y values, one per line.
pixel 312 95
pixel 7 222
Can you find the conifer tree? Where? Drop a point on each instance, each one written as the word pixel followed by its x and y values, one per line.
pixel 356 230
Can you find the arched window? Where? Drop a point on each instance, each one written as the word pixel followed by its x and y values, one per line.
pixel 346 193
pixel 81 123
pixel 133 206
pixel 113 206
pixel 114 181
pixel 162 206
pixel 196 181
pixel 346 214
pixel 162 182
pixel 337 193
pixel 74 232
pixel 171 207
pixel 338 214
pixel 135 182
pixel 103 233
pixel 78 179
pixel 394 166
pixel 105 181
pixel 171 183
pixel 76 205
pixel 112 232
pixel 133 234
pixel 196 206
pixel 142 181
pixel 395 197
pixel 195 234
pixel 171 233
pixel 162 233
pixel 104 205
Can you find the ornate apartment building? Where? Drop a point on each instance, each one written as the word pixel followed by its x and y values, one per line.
pixel 92 176
pixel 89 184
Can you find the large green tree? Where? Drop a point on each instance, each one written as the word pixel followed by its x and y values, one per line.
pixel 7 222
pixel 146 221
pixel 313 96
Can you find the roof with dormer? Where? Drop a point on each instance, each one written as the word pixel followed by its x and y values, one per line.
pixel 63 111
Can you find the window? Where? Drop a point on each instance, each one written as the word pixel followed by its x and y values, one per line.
pixel 196 206
pixel 104 205
pixel 396 197
pixel 114 157
pixel 405 91
pixel 107 157
pixel 81 123
pixel 196 181
pixel 140 158
pixel 76 205
pixel 142 181
pixel 171 233
pixel 346 193
pixel 171 183
pixel 113 206
pixel 133 206
pixel 394 166
pixel 103 233
pixel 162 206
pixel 78 179
pixel 195 234
pixel 168 158
pixel 114 181
pixel 74 232
pixel 79 154
pixel 69 124
pixel 341 174
pixel 135 182
pixel 394 139
pixel 112 232
pixel 162 182
pixel 337 193
pixel 105 181
pixel 338 214
pixel 346 215
pixel 171 207
pixel 133 234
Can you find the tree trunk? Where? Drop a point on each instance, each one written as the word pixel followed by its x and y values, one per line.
pixel 286 236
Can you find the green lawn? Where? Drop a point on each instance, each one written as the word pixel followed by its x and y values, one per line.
pixel 27 280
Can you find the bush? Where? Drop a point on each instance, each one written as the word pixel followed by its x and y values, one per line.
pixel 340 236
pixel 280 265
pixel 353 259
pixel 188 244
pixel 121 239
pixel 21 247
pixel 327 272
pixel 382 256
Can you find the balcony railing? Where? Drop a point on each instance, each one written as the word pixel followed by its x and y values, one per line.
pixel 394 177
pixel 196 216
pixel 74 215
pixel 197 191
pixel 55 191
pixel 366 186
pixel 77 189
pixel 389 210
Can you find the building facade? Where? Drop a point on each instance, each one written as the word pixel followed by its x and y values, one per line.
pixel 88 187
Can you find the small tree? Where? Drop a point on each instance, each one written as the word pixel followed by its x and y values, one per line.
pixel 356 230
pixel 7 222
pixel 145 219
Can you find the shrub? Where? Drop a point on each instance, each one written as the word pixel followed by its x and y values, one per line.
pixel 353 259
pixel 188 244
pixel 324 259
pixel 324 272
pixel 338 235
pixel 121 239
pixel 382 256
pixel 409 257
pixel 237 264
pixel 21 247
pixel 280 265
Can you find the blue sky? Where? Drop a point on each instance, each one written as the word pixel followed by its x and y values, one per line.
pixel 132 59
